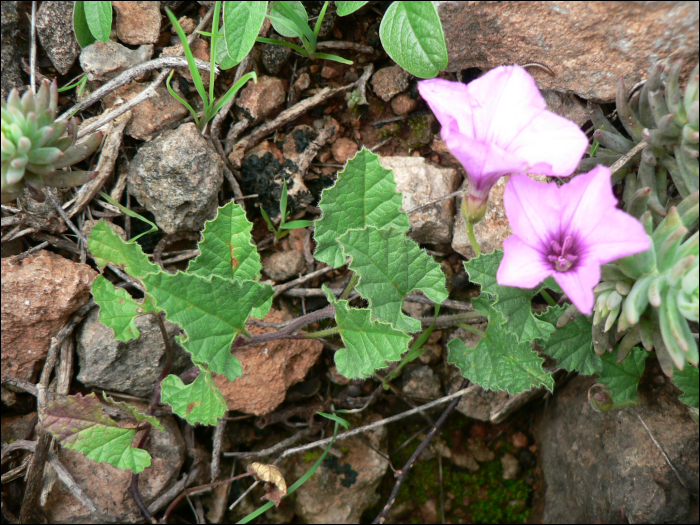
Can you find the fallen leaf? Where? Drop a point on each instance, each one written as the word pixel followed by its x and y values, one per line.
pixel 275 485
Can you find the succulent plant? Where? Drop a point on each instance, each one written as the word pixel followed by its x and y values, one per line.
pixel 651 296
pixel 35 145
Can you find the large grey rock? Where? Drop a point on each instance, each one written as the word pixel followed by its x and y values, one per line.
pixel 54 26
pixel 131 367
pixel 597 464
pixel 589 45
pixel 104 61
pixel 343 488
pixel 420 182
pixel 11 77
pixel 493 228
pixel 177 178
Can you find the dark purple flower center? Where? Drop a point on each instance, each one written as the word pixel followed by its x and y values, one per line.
pixel 562 256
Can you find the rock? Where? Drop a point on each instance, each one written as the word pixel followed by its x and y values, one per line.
pixel 390 81
pixel 403 104
pixel 11 55
pixel 567 106
pixel 519 440
pixel 39 294
pixel 313 8
pixel 596 463
pixel 269 369
pixel 420 126
pixel 343 149
pixel 511 467
pixel 177 177
pixel 16 426
pixel 429 511
pixel 138 22
pixel 445 156
pixel 343 488
pixel 296 142
pixel 324 122
pixel 108 486
pixel 154 114
pixel 42 215
pixel 303 82
pixel 465 460
pixel 479 450
pixel 275 56
pixel 421 382
pixel 336 377
pixel 54 26
pixel 257 101
pixel 329 72
pixel 131 367
pixel 104 61
pixel 420 182
pixel 586 47
pixel 282 266
pixel 493 229
pixel 415 309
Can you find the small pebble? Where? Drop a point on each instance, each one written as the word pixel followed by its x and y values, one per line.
pixel 343 149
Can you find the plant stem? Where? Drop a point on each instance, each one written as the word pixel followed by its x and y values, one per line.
pixel 350 287
pixel 470 328
pixel 548 298
pixel 472 239
pixel 322 333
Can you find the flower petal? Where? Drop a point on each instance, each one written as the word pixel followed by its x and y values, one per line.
pixel 522 265
pixel 603 232
pixel 484 162
pixel 449 101
pixel 533 210
pixel 578 283
pixel 552 145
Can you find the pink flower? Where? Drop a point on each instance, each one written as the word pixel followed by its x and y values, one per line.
pixel 499 125
pixel 566 233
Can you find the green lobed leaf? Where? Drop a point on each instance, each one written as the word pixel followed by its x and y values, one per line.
pixel 687 381
pixel 242 22
pixel 80 25
pixel 622 379
pixel 78 423
pixel 412 36
pixel 348 7
pixel 482 270
pixel 226 249
pixel 572 344
pixel 98 15
pixel 212 312
pixel 369 345
pixel 200 402
pixel 283 24
pixel 118 309
pixel 390 265
pixel 363 195
pixel 516 309
pixel 513 303
pixel 108 248
pixel 499 361
pixel 133 412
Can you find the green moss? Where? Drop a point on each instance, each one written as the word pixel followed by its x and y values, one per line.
pixel 311 455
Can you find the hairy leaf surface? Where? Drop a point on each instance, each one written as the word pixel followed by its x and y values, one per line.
pixel 572 344
pixel 622 379
pixel 369 345
pixel 687 380
pixel 390 266
pixel 108 248
pixel 212 312
pixel 118 309
pixel 78 423
pixel 200 402
pixel 364 195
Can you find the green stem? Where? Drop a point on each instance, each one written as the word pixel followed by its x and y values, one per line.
pixel 470 328
pixel 629 402
pixel 548 298
pixel 472 239
pixel 350 287
pixel 322 333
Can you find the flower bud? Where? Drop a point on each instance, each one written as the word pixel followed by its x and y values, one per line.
pixel 600 398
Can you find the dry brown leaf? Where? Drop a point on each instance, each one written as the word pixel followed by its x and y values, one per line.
pixel 275 485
